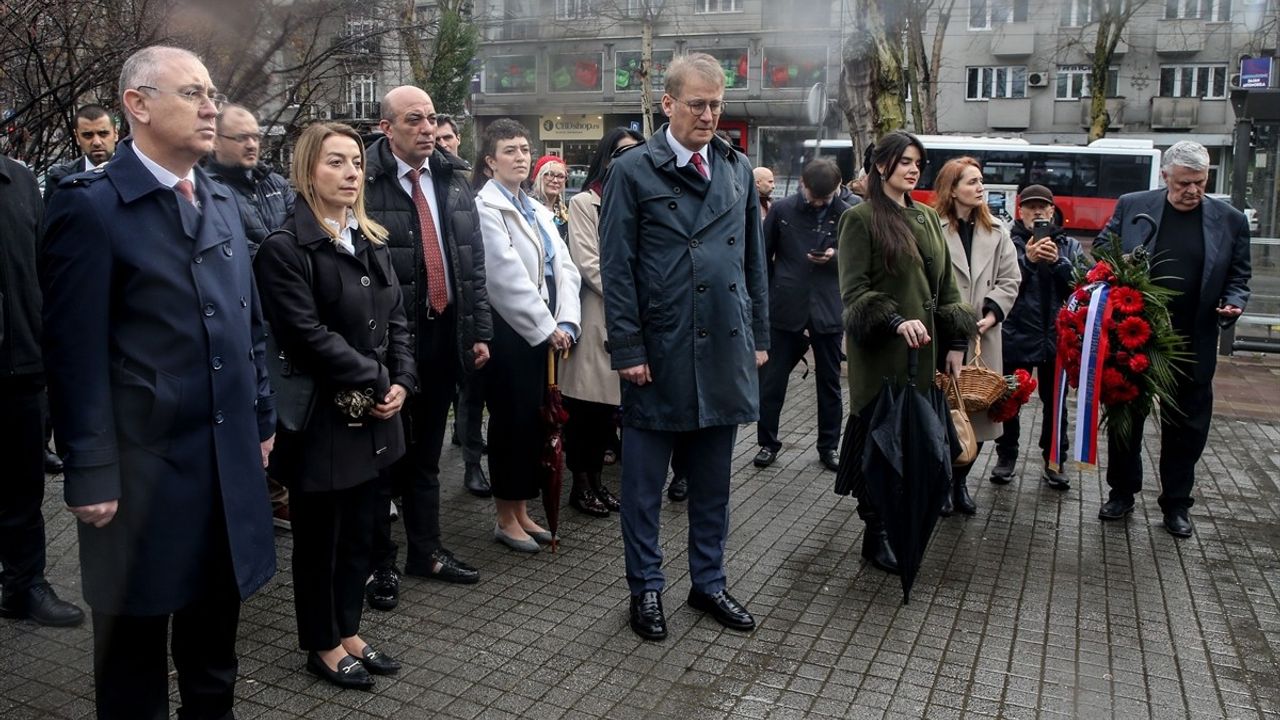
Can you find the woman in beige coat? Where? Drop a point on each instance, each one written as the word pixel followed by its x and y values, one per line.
pixel 985 264
pixel 591 390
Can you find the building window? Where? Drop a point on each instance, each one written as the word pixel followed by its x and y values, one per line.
pixel 573 9
pixel 627 77
pixel 734 63
pixel 1210 10
pixel 1073 82
pixel 1207 82
pixel 511 74
pixel 575 72
pixel 985 83
pixel 794 67
pixel 717 6
pixel 362 95
pixel 983 14
pixel 1078 13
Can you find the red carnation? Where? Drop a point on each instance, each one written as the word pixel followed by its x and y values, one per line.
pixel 1112 379
pixel 1127 300
pixel 1139 363
pixel 1133 332
pixel 1081 317
pixel 1082 295
pixel 1100 272
pixel 1122 357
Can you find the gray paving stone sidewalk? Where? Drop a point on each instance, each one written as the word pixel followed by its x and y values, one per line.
pixel 1031 609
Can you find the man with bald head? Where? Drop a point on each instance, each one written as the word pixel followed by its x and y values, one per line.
pixel 764 188
pixel 264 197
pixel 154 352
pixel 422 197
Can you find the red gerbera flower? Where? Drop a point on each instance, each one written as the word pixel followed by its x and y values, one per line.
pixel 1139 363
pixel 1127 300
pixel 1133 332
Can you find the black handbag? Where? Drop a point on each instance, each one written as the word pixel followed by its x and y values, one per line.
pixel 294 390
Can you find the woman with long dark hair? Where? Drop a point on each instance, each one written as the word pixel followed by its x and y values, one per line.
pixel 590 386
pixel 332 300
pixel 985 265
pixel 899 294
pixel 533 294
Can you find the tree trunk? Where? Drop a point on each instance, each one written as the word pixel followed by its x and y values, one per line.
pixel 409 43
pixel 872 87
pixel 934 66
pixel 646 72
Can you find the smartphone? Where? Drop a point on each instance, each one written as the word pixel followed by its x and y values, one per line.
pixel 817 252
pixel 1040 229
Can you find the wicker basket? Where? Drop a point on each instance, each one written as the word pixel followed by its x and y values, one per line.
pixel 980 386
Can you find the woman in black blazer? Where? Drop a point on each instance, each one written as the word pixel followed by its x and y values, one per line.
pixel 332 299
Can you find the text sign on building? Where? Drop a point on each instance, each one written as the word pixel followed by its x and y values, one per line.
pixel 1255 72
pixel 572 127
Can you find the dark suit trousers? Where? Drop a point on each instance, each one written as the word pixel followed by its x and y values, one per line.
pixel 705 455
pixel 785 353
pixel 130 667
pixel 1182 438
pixel 332 538
pixel 468 417
pixel 417 474
pixel 1007 444
pixel 22 553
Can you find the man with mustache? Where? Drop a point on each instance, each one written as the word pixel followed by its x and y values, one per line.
pixel 95 136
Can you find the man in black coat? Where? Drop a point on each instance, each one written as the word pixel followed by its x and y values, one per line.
pixel 1204 256
pixel 804 307
pixel 22 540
pixel 424 200
pixel 95 136
pixel 155 353
pixel 264 197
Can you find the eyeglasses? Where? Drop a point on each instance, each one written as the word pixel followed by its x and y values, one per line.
pixel 556 176
pixel 195 96
pixel 698 107
pixel 242 138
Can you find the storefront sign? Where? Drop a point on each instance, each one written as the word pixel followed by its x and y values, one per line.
pixel 572 127
pixel 1255 72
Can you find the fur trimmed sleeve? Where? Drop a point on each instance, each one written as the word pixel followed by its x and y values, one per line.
pixel 870 316
pixel 957 321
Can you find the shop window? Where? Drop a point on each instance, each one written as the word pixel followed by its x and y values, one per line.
pixel 794 67
pixel 577 72
pixel 734 63
pixel 627 77
pixel 511 74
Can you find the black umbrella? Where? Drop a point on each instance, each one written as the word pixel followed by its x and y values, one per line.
pixel 906 465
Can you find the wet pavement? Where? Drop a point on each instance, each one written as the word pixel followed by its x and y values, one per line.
pixel 1032 608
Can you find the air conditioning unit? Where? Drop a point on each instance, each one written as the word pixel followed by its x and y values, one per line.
pixel 1234 81
pixel 1038 79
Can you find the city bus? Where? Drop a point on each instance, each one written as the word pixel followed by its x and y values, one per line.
pixel 1085 180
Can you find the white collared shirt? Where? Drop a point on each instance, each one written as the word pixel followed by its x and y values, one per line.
pixel 428 191
pixel 684 154
pixel 344 239
pixel 88 164
pixel 163 176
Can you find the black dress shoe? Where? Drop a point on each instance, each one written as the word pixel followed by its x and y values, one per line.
pixel 450 570
pixel 1116 508
pixel 383 589
pixel 586 502
pixel 830 459
pixel 378 663
pixel 350 675
pixel 647 619
pixel 876 550
pixel 52 463
pixel 679 488
pixel 961 499
pixel 1004 470
pixel 41 604
pixel 476 482
pixel 1178 523
pixel 721 606
pixel 605 497
pixel 1055 479
pixel 765 457
pixel 948 505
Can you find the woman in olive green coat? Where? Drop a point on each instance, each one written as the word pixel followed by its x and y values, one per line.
pixel 899 293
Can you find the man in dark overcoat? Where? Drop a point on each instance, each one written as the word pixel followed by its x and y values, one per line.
pixel 1203 247
pixel 154 349
pixel 684 279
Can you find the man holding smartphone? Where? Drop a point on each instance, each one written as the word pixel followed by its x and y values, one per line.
pixel 1046 257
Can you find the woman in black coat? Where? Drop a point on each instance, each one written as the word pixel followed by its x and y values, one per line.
pixel 333 302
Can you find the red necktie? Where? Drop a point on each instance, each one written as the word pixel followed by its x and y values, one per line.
pixel 696 161
pixel 437 294
pixel 186 189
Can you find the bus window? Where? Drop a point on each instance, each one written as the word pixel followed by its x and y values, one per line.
pixel 1087 175
pixel 938 158
pixel 1124 173
pixel 1004 167
pixel 1055 171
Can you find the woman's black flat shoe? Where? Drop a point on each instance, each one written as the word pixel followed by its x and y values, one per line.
pixel 378 663
pixel 351 674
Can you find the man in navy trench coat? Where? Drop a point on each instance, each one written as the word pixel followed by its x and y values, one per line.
pixel 154 354
pixel 685 287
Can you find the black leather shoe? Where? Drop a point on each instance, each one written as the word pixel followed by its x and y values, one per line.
pixel 1178 523
pixel 41 604
pixel 830 459
pixel 383 589
pixel 765 457
pixel 721 606
pixel 450 570
pixel 378 663
pixel 1004 470
pixel 948 505
pixel 647 619
pixel 1116 509
pixel 1055 479
pixel 679 488
pixel 876 550
pixel 52 463
pixel 605 497
pixel 961 499
pixel 350 675
pixel 586 502
pixel 476 482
